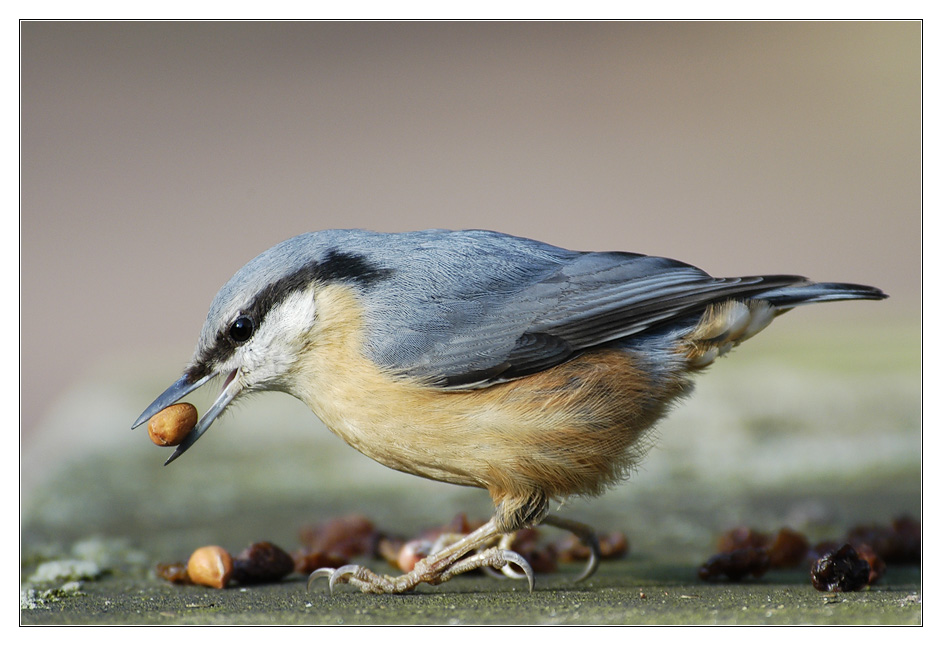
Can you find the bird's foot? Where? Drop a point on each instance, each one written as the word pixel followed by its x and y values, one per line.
pixel 453 555
pixel 432 570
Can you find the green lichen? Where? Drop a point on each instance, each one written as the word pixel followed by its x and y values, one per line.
pixel 33 598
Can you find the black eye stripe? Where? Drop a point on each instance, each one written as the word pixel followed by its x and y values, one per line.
pixel 337 266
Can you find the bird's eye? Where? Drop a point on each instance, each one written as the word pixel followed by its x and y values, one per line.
pixel 241 329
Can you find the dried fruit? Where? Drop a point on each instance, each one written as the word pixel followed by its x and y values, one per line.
pixel 261 562
pixel 841 570
pixel 611 546
pixel 210 566
pixel 844 565
pixel 173 572
pixel 788 549
pixel 172 424
pixel 908 532
pixel 820 549
pixel 387 548
pixel 736 564
pixel 542 559
pixel 900 543
pixel 877 565
pixel 741 537
pixel 306 561
pixel 347 536
pixel 335 542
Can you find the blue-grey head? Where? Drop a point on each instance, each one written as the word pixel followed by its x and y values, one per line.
pixel 259 320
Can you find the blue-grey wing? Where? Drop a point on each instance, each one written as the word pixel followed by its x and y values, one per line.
pixel 485 308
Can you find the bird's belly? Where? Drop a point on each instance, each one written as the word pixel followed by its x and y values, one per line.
pixel 573 429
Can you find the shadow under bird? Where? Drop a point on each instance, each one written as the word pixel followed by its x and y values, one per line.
pixel 480 359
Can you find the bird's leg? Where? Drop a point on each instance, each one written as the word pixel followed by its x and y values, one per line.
pixel 433 569
pixel 444 540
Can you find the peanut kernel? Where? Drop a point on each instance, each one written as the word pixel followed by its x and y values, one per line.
pixel 210 566
pixel 172 424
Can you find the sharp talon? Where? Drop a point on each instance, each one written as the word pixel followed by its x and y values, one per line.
pixel 317 574
pixel 587 535
pixel 520 562
pixel 595 553
pixel 503 545
pixel 505 572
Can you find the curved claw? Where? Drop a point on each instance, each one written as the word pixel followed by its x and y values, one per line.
pixel 520 562
pixel 333 575
pixel 504 545
pixel 342 572
pixel 586 534
pixel 510 573
pixel 595 553
pixel 505 572
pixel 319 573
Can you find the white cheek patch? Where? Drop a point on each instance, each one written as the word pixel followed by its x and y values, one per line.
pixel 293 317
pixel 279 339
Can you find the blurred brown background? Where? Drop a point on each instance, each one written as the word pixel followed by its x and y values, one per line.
pixel 157 158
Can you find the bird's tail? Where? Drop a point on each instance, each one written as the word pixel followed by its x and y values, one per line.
pixel 805 292
pixel 725 324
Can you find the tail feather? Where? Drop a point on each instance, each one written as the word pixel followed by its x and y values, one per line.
pixel 808 292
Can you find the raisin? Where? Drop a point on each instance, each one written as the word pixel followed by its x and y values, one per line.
pixel 262 562
pixel 841 570
pixel 736 564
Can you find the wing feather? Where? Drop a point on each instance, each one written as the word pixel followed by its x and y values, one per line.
pixel 512 307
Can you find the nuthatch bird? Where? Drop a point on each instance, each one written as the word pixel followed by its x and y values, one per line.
pixel 479 359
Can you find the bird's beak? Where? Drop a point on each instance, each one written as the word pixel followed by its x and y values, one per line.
pixel 180 389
